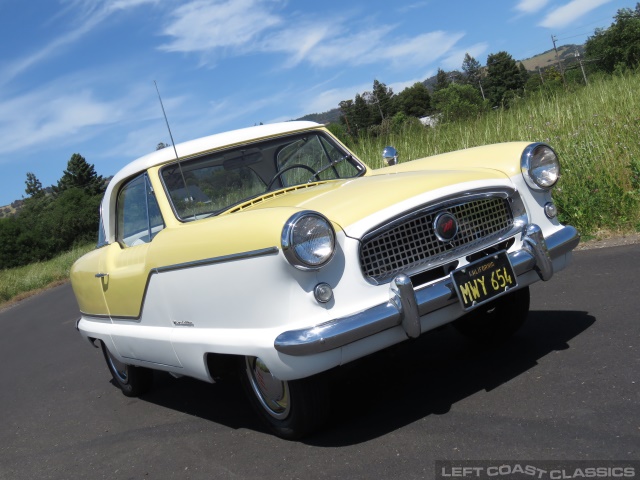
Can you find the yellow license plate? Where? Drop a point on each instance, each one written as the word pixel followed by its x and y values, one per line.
pixel 484 280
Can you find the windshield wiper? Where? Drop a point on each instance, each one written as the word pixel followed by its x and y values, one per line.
pixel 330 165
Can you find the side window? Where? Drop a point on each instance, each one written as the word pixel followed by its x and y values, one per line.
pixel 102 238
pixel 139 218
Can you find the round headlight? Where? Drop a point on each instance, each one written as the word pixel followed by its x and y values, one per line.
pixel 308 240
pixel 540 166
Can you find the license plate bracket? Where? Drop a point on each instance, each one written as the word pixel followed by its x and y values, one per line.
pixel 484 280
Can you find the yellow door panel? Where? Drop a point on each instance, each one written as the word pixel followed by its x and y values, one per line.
pixel 89 283
pixel 125 284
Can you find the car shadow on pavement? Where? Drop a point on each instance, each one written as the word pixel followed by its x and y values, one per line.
pixel 393 388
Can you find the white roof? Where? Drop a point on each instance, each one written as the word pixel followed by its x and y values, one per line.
pixel 205 144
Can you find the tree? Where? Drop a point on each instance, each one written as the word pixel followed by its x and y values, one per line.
pixel 34 186
pixel 459 101
pixel 619 45
pixel 503 75
pixel 524 75
pixel 414 101
pixel 442 80
pixel 472 70
pixel 80 174
pixel 361 114
pixel 381 101
pixel 161 145
pixel 346 115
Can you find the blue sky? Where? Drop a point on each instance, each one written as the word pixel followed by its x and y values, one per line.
pixel 76 76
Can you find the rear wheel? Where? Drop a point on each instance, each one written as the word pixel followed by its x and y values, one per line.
pixel 291 409
pixel 496 321
pixel 133 381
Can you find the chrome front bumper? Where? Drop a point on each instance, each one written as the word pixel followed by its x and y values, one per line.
pixel 407 305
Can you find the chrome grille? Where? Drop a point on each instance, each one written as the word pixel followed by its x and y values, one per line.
pixel 411 242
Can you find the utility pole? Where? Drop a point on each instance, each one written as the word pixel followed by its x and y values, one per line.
pixel 541 77
pixel 554 40
pixel 584 75
pixel 481 90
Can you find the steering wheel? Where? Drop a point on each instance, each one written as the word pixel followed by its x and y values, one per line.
pixel 290 167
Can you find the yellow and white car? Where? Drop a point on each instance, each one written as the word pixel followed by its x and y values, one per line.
pixel 275 251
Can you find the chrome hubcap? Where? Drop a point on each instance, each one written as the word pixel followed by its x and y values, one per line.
pixel 272 392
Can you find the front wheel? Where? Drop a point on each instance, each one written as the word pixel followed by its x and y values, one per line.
pixel 291 409
pixel 496 321
pixel 133 381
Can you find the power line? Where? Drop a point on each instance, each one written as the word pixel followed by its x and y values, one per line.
pixel 574 36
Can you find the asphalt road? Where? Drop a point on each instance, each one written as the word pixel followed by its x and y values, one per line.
pixel 565 387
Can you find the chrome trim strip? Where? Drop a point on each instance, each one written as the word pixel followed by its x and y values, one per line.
pixel 342 331
pixel 445 202
pixel 214 260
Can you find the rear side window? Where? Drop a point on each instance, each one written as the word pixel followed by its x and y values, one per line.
pixel 139 218
pixel 102 238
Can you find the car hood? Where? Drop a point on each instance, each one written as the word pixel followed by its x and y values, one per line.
pixel 352 203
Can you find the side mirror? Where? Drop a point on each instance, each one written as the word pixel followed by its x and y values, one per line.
pixel 390 155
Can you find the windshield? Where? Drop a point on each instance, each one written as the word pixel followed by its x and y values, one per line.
pixel 213 183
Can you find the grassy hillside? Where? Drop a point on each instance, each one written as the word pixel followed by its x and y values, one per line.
pixel 566 53
pixel 595 130
pixel 16 283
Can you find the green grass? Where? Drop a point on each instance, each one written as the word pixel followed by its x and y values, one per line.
pixel 16 283
pixel 595 130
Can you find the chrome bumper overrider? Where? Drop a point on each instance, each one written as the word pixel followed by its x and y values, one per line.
pixel 407 305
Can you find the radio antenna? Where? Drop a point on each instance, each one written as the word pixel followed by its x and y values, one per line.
pixel 173 143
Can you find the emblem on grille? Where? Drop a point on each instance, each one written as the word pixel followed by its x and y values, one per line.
pixel 446 226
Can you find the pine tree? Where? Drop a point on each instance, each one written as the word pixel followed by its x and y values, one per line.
pixel 442 80
pixel 524 75
pixel 34 186
pixel 346 115
pixel 381 101
pixel 472 71
pixel 80 174
pixel 503 76
pixel 361 113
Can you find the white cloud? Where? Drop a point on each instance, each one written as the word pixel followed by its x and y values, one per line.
pixel 329 99
pixel 90 15
pixel 68 111
pixel 420 50
pixel 202 26
pixel 240 27
pixel 530 6
pixel 35 119
pixel 563 16
pixel 412 6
